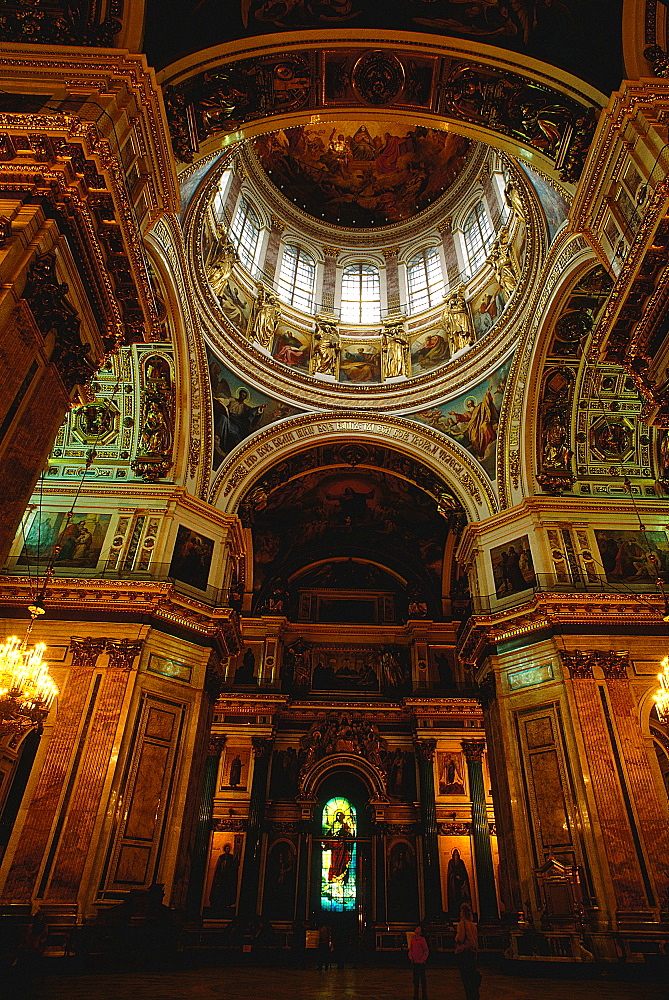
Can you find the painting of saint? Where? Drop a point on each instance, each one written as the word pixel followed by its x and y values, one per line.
pixel 486 308
pixel 191 560
pixel 292 348
pixel 360 364
pixel 365 175
pixel 236 305
pixel 513 568
pixel 451 781
pixel 472 420
pixel 633 556
pixel 553 202
pixel 339 835
pixel 428 351
pixel 238 410
pixel 223 887
pixel 457 881
pixel 280 881
pixel 79 540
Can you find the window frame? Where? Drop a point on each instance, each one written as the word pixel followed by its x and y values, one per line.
pixel 476 250
pixel 430 292
pixel 289 290
pixel 368 309
pixel 250 219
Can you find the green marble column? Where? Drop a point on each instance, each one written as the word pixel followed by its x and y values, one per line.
pixel 203 829
pixel 485 875
pixel 248 899
pixel 428 806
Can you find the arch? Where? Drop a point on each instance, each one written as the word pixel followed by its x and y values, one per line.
pixel 370 775
pixel 220 81
pixel 254 456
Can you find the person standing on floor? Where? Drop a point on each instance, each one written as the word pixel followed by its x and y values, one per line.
pixel 418 955
pixel 466 951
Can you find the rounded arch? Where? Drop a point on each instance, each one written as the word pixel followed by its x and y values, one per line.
pixel 223 78
pixel 570 257
pixel 255 456
pixel 327 767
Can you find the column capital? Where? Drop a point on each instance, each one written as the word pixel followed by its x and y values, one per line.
pixel 390 252
pixel 276 224
pixel 446 225
pixel 216 745
pixel 425 749
pixel 85 651
pixel 122 652
pixel 262 746
pixel 473 750
pixel 331 251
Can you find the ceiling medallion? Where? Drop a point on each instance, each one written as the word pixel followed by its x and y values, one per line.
pixel 378 77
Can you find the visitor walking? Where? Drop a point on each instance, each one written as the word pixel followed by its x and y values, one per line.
pixel 466 951
pixel 418 955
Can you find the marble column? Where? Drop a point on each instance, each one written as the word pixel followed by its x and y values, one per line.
pixel 248 900
pixel 485 875
pixel 272 251
pixel 203 829
pixel 428 806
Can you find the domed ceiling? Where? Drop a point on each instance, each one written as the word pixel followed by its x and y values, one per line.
pixel 362 175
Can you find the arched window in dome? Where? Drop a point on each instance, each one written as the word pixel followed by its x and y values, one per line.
pixel 245 232
pixel 425 280
pixel 338 868
pixel 221 195
pixel 361 294
pixel 297 277
pixel 478 235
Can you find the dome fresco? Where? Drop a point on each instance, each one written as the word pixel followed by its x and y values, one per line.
pixel 363 175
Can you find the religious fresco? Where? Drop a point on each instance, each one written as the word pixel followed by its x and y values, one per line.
pixel 451 769
pixel 472 418
pixel 220 893
pixel 360 363
pixel 633 556
pixel 487 307
pixel 553 201
pixel 366 514
pixel 344 670
pixel 80 540
pixel 245 668
pixel 191 559
pixel 236 304
pixel 235 768
pixel 512 567
pixel 365 175
pixel 429 350
pixel 238 409
pixel 292 347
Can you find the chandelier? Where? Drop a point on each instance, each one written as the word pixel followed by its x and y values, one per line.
pixel 26 689
pixel 662 694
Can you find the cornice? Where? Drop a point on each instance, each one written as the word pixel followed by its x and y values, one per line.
pixel 144 599
pixel 603 611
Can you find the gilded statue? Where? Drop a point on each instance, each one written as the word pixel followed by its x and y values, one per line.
pixel 326 348
pixel 220 268
pixel 265 317
pixel 503 261
pixel 456 322
pixel 513 200
pixel 395 350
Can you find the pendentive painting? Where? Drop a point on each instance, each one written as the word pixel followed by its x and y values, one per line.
pixel 472 419
pixel 238 409
pixel 191 559
pixel 367 174
pixel 80 541
pixel 633 556
pixel 512 567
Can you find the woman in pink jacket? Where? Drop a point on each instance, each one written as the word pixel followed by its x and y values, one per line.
pixel 418 953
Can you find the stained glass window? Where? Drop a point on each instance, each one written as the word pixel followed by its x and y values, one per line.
pixel 338 869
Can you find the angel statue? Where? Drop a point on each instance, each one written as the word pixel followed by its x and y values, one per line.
pixel 456 322
pixel 395 350
pixel 220 268
pixel 326 348
pixel 265 316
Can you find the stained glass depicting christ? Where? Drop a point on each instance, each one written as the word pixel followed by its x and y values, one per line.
pixel 338 875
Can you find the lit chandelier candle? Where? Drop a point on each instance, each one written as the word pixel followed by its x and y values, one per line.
pixel 26 689
pixel 662 693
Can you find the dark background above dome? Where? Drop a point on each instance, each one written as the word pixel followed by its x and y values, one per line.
pixel 582 38
pixel 352 174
